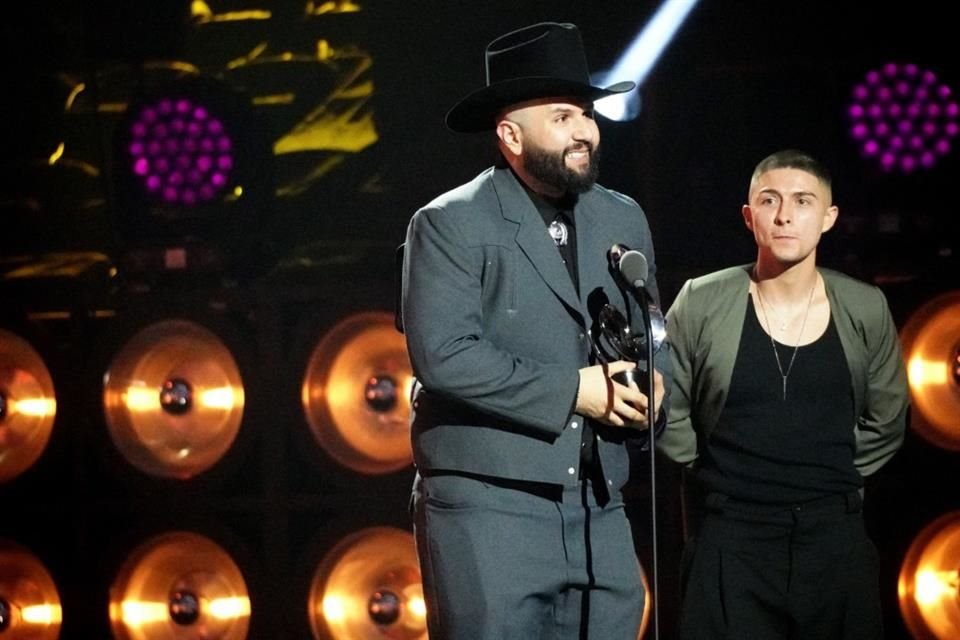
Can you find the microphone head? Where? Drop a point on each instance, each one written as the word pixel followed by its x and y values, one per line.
pixel 614 255
pixel 633 267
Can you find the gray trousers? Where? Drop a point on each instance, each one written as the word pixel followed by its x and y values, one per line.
pixel 503 563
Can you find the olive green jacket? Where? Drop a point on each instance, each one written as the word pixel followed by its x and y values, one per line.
pixel 704 325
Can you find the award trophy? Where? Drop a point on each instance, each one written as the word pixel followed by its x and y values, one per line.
pixel 617 341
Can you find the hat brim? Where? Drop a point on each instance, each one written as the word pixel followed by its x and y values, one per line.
pixel 476 112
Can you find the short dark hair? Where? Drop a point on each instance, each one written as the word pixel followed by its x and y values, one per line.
pixel 793 159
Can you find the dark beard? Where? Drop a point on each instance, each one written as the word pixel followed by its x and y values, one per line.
pixel 549 168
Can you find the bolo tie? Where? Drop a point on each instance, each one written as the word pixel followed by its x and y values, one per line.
pixel 559 232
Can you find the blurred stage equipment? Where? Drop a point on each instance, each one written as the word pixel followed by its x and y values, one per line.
pixel 929 586
pixel 369 587
pixel 931 345
pixel 28 405
pixel 173 399
pixel 29 602
pixel 167 164
pixel 51 205
pixel 179 585
pixel 903 117
pixel 189 173
pixel 356 394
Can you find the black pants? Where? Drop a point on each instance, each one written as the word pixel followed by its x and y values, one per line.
pixel 795 572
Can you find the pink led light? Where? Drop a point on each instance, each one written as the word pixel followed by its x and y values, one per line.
pixel 902 117
pixel 180 152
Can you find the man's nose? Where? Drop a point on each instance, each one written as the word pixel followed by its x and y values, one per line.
pixel 784 214
pixel 585 131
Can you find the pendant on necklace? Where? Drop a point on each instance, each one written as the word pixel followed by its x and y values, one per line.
pixel 796 348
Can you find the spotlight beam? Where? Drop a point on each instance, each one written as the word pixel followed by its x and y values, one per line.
pixel 639 58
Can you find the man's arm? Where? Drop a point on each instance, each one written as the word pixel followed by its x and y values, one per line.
pixel 442 316
pixel 679 439
pixel 881 426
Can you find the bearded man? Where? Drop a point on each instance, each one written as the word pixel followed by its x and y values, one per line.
pixel 519 431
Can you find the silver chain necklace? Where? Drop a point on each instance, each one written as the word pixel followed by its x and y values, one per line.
pixel 796 347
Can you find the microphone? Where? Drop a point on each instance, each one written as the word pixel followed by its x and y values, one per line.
pixel 614 255
pixel 634 269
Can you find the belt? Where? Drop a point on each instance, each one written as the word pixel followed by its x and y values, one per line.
pixel 851 502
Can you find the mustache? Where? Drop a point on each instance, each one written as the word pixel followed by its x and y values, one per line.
pixel 580 146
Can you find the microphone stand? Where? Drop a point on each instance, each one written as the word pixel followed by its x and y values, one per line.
pixel 642 297
pixel 633 269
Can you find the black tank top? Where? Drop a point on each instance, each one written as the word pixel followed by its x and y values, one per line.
pixel 772 450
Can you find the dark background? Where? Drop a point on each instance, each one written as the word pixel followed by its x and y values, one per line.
pixel 740 80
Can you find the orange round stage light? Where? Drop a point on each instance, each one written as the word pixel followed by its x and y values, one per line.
pixel 929 585
pixel 29 602
pixel 931 347
pixel 356 394
pixel 28 406
pixel 647 603
pixel 179 586
pixel 173 399
pixel 368 587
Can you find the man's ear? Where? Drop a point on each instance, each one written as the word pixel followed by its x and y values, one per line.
pixel 830 218
pixel 511 137
pixel 747 216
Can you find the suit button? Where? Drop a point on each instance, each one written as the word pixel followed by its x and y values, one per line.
pixel 580 336
pixel 571 471
pixel 574 424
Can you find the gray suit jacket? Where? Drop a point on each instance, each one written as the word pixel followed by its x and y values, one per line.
pixel 496 331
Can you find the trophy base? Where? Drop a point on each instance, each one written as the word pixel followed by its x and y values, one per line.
pixel 637 376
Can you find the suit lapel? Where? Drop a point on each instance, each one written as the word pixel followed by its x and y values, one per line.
pixel 532 237
pixel 592 244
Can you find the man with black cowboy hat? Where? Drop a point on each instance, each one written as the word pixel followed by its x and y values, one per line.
pixel 518 432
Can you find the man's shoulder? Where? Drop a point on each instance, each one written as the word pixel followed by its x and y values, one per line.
pixel 464 194
pixel 854 297
pixel 712 291
pixel 611 197
pixel 735 276
pixel 845 283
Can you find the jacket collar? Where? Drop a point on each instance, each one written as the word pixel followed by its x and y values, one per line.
pixel 532 236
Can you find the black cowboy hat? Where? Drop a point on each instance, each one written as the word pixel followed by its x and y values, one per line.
pixel 542 60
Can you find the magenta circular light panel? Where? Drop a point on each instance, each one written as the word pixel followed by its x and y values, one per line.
pixel 903 117
pixel 180 152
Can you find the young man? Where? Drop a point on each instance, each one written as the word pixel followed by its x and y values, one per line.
pixel 789 388
pixel 518 432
